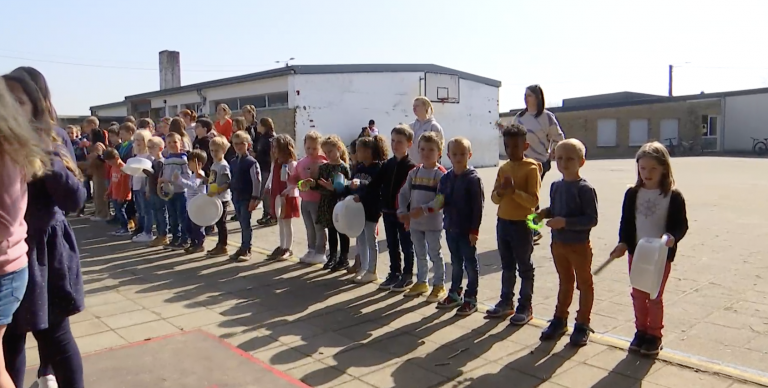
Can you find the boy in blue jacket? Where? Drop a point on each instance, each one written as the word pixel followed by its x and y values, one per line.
pixel 462 195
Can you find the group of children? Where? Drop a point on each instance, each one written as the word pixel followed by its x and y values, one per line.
pixel 417 203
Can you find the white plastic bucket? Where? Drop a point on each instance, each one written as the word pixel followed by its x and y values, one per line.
pixel 204 210
pixel 349 217
pixel 648 265
pixel 136 166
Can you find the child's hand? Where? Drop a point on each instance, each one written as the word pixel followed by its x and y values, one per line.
pixel 404 218
pixel 556 223
pixel 328 185
pixel 253 205
pixel 508 184
pixel 539 216
pixel 670 240
pixel 176 176
pixel 200 174
pixel 473 239
pixel 310 182
pixel 619 251
pixel 416 213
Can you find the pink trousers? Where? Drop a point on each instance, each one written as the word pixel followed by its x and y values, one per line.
pixel 649 313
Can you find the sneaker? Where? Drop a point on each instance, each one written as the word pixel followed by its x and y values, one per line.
pixel 451 301
pixel 47 382
pixel 330 261
pixel 245 256
pixel 263 219
pixel 182 245
pixel 501 310
pixel 233 218
pixel 467 308
pixel 275 254
pixel 219 250
pixel 651 346
pixel 556 329
pixel 404 284
pixel 316 258
pixel 143 238
pixel 270 222
pixel 211 231
pixel 365 278
pixel 521 317
pixel 286 254
pixel 437 294
pixel 417 289
pixel 580 335
pixel 121 232
pixel 638 342
pixel 341 264
pixel 355 268
pixel 171 244
pixel 310 254
pixel 159 241
pixel 194 249
pixel 389 282
pixel 239 252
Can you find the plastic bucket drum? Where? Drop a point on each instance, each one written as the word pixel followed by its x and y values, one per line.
pixel 648 265
pixel 349 217
pixel 136 166
pixel 204 210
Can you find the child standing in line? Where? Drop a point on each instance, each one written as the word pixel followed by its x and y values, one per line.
pixel 125 149
pixel 283 193
pixel 203 134
pixel 371 153
pixel 119 190
pixel 218 186
pixel 144 212
pixel 176 162
pixel 336 152
pixel 246 191
pixel 573 213
pixel 652 208
pixel 463 199
pixel 425 219
pixel 516 191
pixel 158 205
pixel 387 184
pixel 194 185
pixel 307 168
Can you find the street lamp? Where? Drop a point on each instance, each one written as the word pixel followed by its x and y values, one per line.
pixel 287 63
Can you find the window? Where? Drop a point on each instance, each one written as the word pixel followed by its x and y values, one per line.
pixel 606 133
pixel 172 110
pixel 192 107
pixel 668 131
pixel 709 126
pixel 257 101
pixel 638 132
pixel 232 103
pixel 277 100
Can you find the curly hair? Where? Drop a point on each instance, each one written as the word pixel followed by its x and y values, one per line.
pixel 377 145
pixel 335 141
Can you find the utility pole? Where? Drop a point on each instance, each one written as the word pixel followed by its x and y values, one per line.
pixel 671 67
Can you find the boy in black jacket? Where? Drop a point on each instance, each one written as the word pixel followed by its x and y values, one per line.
pixel 389 180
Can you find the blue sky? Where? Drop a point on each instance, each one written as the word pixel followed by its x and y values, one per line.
pixel 96 52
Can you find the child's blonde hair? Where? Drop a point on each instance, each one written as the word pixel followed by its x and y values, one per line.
pixel 227 111
pixel 74 128
pixel 156 141
pixel 660 155
pixel 144 135
pixel 241 136
pixel 220 143
pixel 19 143
pixel 460 140
pixel 313 136
pixel 573 145
pixel 335 141
pixel 426 104
pixel 284 147
pixel 432 138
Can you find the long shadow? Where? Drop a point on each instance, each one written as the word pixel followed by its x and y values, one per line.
pixel 632 365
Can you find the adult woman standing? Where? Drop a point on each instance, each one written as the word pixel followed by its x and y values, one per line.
pixel 223 124
pixel 543 132
pixel 55 288
pixel 425 122
pixel 179 127
pixel 263 151
pixel 189 118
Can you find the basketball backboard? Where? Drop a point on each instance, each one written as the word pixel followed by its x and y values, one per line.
pixel 441 87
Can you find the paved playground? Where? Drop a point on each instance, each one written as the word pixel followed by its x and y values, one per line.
pixel 326 332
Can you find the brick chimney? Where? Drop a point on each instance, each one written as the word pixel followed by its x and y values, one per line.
pixel 170 69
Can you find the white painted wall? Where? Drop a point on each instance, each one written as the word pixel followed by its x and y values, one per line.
pixel 343 103
pixel 745 117
pixel 121 110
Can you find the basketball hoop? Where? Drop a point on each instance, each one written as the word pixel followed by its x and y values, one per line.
pixel 449 100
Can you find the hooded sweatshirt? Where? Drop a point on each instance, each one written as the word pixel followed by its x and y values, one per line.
pixel 463 200
pixel 420 190
pixel 388 181
pixel 419 127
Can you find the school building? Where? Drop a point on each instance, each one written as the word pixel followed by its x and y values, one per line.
pixel 617 124
pixel 333 99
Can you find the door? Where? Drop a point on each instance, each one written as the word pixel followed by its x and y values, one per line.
pixel 668 130
pixel 710 132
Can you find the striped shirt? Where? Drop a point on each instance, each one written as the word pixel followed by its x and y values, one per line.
pixel 543 133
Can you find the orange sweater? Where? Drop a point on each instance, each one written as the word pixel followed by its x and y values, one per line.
pixel 224 129
pixel 120 183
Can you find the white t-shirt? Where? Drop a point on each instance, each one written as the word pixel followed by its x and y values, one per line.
pixel 139 182
pixel 651 213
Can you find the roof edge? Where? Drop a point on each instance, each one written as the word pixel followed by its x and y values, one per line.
pixel 109 105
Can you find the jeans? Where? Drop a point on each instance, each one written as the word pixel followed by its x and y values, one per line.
pixel 398 237
pixel 463 258
pixel 195 232
pixel 315 233
pixel 515 243
pixel 573 263
pixel 144 212
pixel 56 346
pixel 221 225
pixel 428 243
pixel 122 218
pixel 649 313
pixel 12 288
pixel 160 212
pixel 244 218
pixel 177 216
pixel 368 247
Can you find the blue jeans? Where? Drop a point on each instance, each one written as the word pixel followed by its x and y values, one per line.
pixel 515 243
pixel 12 288
pixel 144 212
pixel 122 219
pixel 160 212
pixel 463 258
pixel 244 218
pixel 177 216
pixel 196 232
pixel 428 243
pixel 398 237
pixel 368 247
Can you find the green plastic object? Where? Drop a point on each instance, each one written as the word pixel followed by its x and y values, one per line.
pixel 531 224
pixel 303 185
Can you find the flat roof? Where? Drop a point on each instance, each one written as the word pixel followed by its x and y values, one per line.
pixel 646 101
pixel 309 69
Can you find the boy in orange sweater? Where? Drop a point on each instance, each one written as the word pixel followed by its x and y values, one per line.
pixel 119 191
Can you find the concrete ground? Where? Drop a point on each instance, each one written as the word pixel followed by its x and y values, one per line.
pixel 323 330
